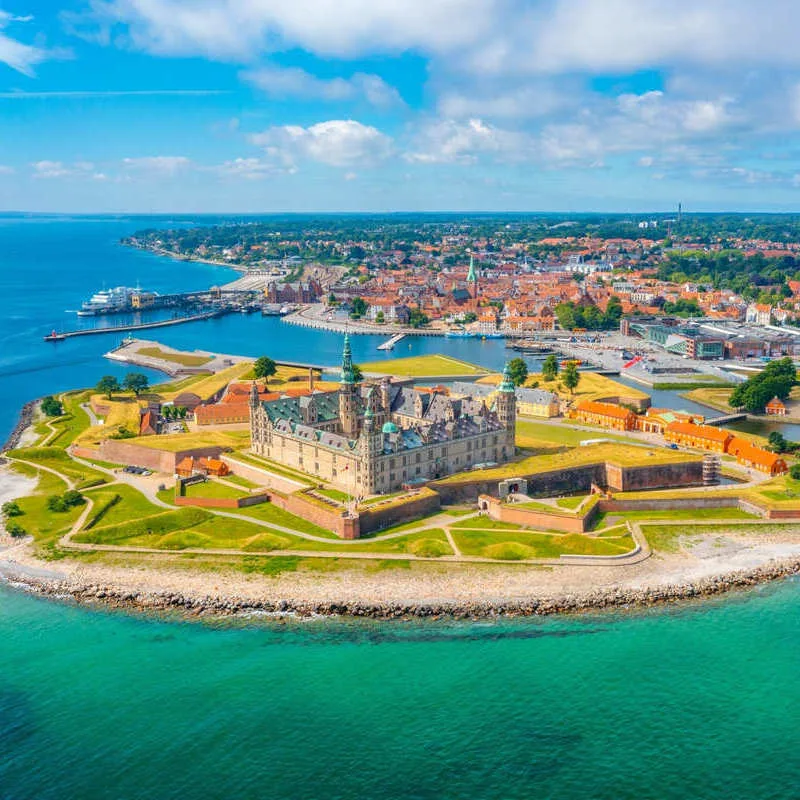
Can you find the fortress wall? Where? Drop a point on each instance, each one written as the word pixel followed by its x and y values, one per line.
pixel 261 476
pixel 533 518
pixel 655 476
pixel 331 519
pixel 375 519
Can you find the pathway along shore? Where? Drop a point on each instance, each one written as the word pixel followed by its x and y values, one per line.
pixel 501 591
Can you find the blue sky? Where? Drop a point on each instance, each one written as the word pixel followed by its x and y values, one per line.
pixel 382 105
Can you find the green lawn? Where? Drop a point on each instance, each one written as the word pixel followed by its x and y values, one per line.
pixel 271 466
pixel 688 514
pixel 488 524
pixel 59 460
pixel 165 522
pixel 433 366
pixel 541 434
pixel 131 505
pixel 267 512
pixel 44 525
pixel 429 543
pixel 571 502
pixel 213 489
pixel 185 359
pixel 335 494
pixel 72 423
pixel 243 482
pixel 667 538
pixel 519 545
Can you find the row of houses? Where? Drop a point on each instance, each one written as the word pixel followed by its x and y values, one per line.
pixel 682 429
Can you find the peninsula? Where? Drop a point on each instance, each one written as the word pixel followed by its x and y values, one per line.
pixel 250 485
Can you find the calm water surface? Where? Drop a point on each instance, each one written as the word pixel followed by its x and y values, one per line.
pixel 699 702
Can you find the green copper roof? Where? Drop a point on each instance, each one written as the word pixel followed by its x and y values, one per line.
pixel 506 385
pixel 368 414
pixel 471 276
pixel 389 427
pixel 347 376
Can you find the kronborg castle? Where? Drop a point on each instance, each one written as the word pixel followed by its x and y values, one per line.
pixel 370 438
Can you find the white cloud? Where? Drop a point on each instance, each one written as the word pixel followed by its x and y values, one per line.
pixel 158 165
pixel 246 168
pixel 81 94
pixel 238 30
pixel 295 82
pixel 449 141
pixel 6 170
pixel 20 57
pixel 337 142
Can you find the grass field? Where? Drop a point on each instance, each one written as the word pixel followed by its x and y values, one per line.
pixel 71 424
pixel 519 545
pixel 44 525
pixel 715 397
pixel 59 460
pixel 538 435
pixel 172 442
pixel 591 387
pixel 267 512
pixel 272 466
pixel 185 359
pixel 213 489
pixel 437 366
pixel 688 514
pixel 131 505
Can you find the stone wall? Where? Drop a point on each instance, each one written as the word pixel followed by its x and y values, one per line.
pixel 580 479
pixel 423 502
pixel 332 519
pixel 534 518
pixel 120 451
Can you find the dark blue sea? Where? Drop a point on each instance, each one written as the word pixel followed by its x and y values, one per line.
pixel 698 701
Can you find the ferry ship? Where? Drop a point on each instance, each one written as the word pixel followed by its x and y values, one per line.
pixel 110 300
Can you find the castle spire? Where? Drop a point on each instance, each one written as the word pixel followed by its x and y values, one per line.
pixel 471 276
pixel 348 376
pixel 507 384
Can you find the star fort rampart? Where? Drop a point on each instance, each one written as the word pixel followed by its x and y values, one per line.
pixel 374 437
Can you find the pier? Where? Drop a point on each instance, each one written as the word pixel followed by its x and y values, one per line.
pixel 726 419
pixel 392 342
pixel 140 326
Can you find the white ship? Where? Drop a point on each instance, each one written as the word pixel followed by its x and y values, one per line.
pixel 109 300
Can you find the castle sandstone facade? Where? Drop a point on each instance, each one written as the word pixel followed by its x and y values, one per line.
pixel 371 438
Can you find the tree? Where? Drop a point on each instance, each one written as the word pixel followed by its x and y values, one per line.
pixel 166 412
pixel 380 318
pixel 518 370
pixel 108 384
pixel 332 301
pixel 571 377
pixel 795 472
pixel 182 411
pixel 550 368
pixel 358 307
pixel 777 442
pixel 264 367
pixel 51 406
pixel 776 380
pixel 417 319
pixel 16 530
pixel 358 375
pixel 136 382
pixel 11 509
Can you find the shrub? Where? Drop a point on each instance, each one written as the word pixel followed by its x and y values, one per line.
pixel 12 509
pixel 429 548
pixel 52 407
pixel 56 503
pixel 795 472
pixel 16 530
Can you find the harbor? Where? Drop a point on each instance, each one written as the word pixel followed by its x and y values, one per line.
pixel 55 336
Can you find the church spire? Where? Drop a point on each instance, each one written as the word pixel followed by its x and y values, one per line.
pixel 471 276
pixel 507 384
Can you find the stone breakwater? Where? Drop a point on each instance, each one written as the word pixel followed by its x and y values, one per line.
pixel 571 603
pixel 26 415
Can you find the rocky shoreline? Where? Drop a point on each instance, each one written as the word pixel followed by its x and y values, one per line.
pixel 26 415
pixel 232 606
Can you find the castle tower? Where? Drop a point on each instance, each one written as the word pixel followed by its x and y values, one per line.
pixel 370 445
pixel 506 407
pixel 472 279
pixel 348 394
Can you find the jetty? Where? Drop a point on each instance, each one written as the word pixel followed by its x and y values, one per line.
pixel 140 326
pixel 392 342
pixel 724 420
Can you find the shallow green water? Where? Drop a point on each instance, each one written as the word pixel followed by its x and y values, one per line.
pixel 696 702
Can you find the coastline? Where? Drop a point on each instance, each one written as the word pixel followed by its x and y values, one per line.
pixel 26 415
pixel 504 590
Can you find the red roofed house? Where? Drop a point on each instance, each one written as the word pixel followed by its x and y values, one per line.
pixel 776 407
pixel 756 457
pixel 189 465
pixel 704 437
pixel 606 415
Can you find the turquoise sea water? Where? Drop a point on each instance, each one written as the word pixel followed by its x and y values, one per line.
pixel 696 702
pixel 699 701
